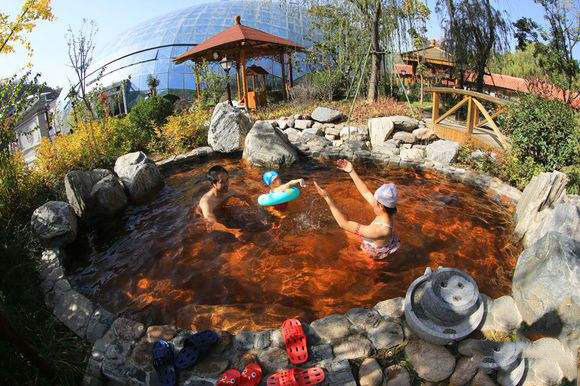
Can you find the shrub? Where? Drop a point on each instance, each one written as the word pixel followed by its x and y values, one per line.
pixel 545 130
pixel 144 118
pixel 214 85
pixel 92 144
pixel 185 131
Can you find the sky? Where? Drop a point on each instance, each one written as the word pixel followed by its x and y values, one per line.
pixel 115 16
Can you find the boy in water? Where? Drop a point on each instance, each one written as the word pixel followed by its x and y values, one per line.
pixel 217 195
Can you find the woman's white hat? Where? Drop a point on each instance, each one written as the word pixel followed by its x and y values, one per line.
pixel 387 195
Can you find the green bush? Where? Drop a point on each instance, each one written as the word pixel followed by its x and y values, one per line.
pixel 144 118
pixel 545 130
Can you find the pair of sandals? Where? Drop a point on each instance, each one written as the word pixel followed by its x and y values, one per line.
pixel 166 363
pixel 250 376
pixel 297 350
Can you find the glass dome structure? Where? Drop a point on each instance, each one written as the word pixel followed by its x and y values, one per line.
pixel 149 47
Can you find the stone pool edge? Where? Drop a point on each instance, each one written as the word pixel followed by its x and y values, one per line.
pixel 121 350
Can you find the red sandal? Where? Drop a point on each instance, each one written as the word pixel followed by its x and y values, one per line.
pixel 297 377
pixel 230 377
pixel 311 376
pixel 283 378
pixel 295 341
pixel 251 376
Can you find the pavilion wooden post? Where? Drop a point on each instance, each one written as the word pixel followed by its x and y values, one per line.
pixel 283 66
pixel 238 80
pixel 290 72
pixel 197 82
pixel 244 78
pixel 435 113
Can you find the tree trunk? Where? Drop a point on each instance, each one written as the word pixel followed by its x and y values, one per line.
pixel 372 94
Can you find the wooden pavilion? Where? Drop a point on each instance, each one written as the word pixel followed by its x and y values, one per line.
pixel 240 43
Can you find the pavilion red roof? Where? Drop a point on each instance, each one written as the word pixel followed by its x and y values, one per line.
pixel 260 43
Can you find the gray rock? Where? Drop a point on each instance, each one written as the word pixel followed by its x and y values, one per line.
pixel 326 115
pixel 354 146
pixel 108 196
pixel 74 311
pixel 164 332
pixel 431 362
pixel 387 149
pixel 552 348
pixel 339 374
pixel 273 359
pixel 245 340
pixel 354 134
pixel 332 130
pixel 99 324
pixel 54 223
pixel 268 147
pixel 293 135
pixel 276 339
pixel 332 329
pixel 313 131
pixel 424 134
pixel 302 124
pixel 543 191
pixel 194 155
pixel 380 129
pixel 465 370
pixel 262 340
pixel 320 354
pixel 404 123
pixel 442 151
pixel 228 128
pixel 370 373
pixel 388 334
pixel 353 347
pixel 563 218
pixel 127 329
pixel 317 143
pixel 364 320
pixel 412 154
pixel 397 375
pixel 391 308
pixel 546 283
pixel 502 316
pixel 139 174
pixel 78 185
pixel 482 379
pixel 405 137
pixel 543 372
pixel 330 137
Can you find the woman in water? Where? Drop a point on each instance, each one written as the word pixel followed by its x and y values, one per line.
pixel 379 238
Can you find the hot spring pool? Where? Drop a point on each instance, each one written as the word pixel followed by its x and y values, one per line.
pixel 159 265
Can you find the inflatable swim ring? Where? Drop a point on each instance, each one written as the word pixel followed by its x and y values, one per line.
pixel 277 198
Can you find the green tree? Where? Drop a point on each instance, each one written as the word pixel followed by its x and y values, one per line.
pixel 473 32
pixel 525 32
pixel 554 47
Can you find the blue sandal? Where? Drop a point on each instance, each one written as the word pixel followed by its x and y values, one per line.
pixel 163 362
pixel 195 347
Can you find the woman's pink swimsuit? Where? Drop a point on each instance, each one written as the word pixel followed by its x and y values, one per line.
pixel 379 253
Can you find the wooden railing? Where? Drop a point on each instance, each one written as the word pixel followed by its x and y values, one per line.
pixel 474 108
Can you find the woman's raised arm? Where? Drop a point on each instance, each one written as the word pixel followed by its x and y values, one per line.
pixel 346 166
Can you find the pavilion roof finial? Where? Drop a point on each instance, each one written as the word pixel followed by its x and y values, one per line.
pixel 238 20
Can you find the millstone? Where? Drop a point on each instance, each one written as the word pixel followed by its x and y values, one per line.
pixel 444 306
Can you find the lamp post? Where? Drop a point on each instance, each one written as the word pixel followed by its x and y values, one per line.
pixel 227 65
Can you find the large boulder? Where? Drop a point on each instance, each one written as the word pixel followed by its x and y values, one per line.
pixel 563 218
pixel 380 129
pixel 267 146
pixel 293 135
pixel 139 175
pixel 228 128
pixel 403 123
pixel 442 151
pixel 432 363
pixel 54 223
pixel 109 196
pixel 413 154
pixel 546 283
pixel 78 185
pixel 542 193
pixel 326 115
pixel 424 134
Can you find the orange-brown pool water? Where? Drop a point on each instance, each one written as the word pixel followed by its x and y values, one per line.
pixel 160 265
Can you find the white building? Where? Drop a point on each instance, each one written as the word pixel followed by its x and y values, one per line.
pixel 34 125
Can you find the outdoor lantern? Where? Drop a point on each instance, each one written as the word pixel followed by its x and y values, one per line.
pixel 227 65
